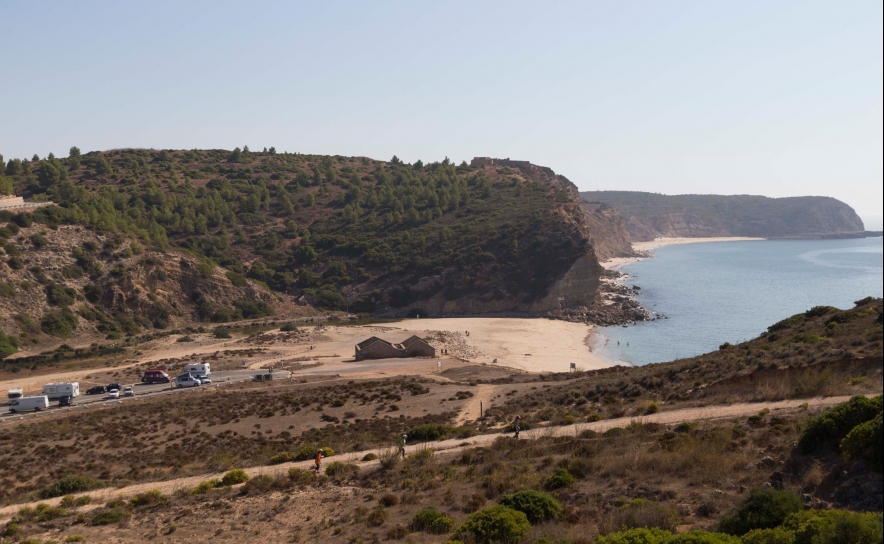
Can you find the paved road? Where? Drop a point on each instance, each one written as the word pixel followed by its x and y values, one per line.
pixel 142 390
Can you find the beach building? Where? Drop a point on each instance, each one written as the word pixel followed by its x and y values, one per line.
pixel 378 348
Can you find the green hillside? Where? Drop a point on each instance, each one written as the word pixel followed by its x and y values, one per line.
pixel 344 232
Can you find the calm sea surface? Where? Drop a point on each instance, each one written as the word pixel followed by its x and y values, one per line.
pixel 732 291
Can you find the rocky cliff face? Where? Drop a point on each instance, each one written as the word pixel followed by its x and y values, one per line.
pixel 650 215
pixel 607 230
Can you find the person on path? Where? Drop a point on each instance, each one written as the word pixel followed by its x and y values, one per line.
pixel 516 427
pixel 402 440
pixel 318 460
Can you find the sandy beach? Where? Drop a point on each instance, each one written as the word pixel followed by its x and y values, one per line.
pixel 613 264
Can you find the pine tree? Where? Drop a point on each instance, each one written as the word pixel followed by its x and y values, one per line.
pixel 74 152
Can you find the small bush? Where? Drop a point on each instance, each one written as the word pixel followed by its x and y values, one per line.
pixel 339 470
pixel 429 431
pixel 495 524
pixel 236 279
pixel 300 476
pixel 111 515
pixel 652 408
pixel 635 536
pixel 377 517
pixel 235 476
pixel 866 439
pixel 559 479
pixel 222 332
pixel 148 498
pixel 388 500
pixel 536 505
pixel 764 509
pixel 74 538
pixel 642 513
pixel 702 537
pixel 826 526
pixel 41 512
pixel 397 533
pixel 205 486
pixel 769 536
pixel 369 457
pixel 71 484
pixel 11 529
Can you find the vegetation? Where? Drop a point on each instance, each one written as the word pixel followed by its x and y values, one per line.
pixel 495 524
pixel 72 484
pixel 536 505
pixel 8 345
pixel 833 426
pixel 765 508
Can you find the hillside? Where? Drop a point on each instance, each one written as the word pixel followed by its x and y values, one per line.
pixel 652 215
pixel 334 233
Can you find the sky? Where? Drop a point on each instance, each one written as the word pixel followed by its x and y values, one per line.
pixel 775 98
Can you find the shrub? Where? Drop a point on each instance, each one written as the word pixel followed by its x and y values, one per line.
pixel 339 470
pixel 288 327
pixel 106 517
pixel 866 438
pixel 833 425
pixel 702 537
pixel 41 512
pixel 222 332
pixel 11 529
pixel 205 486
pixel 60 323
pixel 388 500
pixel 75 538
pixel 825 526
pixel 769 536
pixel 71 484
pixel 377 517
pixel 652 408
pixel 235 476
pixel 429 431
pixel 642 513
pixel 369 457
pixel 236 279
pixel 635 536
pixel 536 505
pixel 765 508
pixel 397 533
pixel 559 479
pixel 495 524
pixel 148 498
pixel 300 476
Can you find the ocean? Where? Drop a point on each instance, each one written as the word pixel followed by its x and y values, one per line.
pixel 719 292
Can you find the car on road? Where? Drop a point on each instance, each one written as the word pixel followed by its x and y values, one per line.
pixel 128 392
pixel 155 376
pixel 97 390
pixel 204 379
pixel 113 394
pixel 116 386
pixel 186 380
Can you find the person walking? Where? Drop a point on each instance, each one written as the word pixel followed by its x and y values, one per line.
pixel 516 426
pixel 318 460
pixel 402 440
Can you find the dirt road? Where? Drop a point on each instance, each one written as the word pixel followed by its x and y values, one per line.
pixel 453 446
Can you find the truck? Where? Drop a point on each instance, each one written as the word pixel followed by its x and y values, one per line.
pixel 198 369
pixel 13 394
pixel 29 404
pixel 57 390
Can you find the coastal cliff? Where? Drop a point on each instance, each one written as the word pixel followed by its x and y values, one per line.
pixel 651 215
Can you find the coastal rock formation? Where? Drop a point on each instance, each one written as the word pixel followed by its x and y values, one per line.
pixel 650 215
pixel 607 231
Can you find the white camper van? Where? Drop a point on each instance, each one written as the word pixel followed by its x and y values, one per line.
pixel 29 404
pixel 198 369
pixel 57 390
pixel 13 394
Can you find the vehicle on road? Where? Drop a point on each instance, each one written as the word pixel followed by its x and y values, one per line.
pixel 57 390
pixel 29 404
pixel 116 386
pixel 198 369
pixel 65 400
pixel 97 390
pixel 13 394
pixel 205 380
pixel 128 392
pixel 155 376
pixel 113 394
pixel 186 380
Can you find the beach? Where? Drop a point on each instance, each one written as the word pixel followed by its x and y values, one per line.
pixel 645 247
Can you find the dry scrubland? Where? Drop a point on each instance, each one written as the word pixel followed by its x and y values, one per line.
pixel 684 476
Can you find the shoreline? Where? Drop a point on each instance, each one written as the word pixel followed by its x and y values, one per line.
pixel 646 248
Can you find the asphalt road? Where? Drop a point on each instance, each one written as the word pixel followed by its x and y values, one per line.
pixel 219 379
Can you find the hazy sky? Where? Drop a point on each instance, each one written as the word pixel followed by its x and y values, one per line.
pixel 774 98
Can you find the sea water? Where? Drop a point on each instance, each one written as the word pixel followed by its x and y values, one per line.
pixel 719 292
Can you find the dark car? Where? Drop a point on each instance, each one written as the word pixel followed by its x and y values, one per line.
pixel 97 390
pixel 64 401
pixel 116 386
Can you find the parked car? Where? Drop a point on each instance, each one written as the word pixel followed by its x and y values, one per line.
pixel 116 386
pixel 155 376
pixel 204 379
pixel 97 390
pixel 113 394
pixel 128 392
pixel 186 380
pixel 64 400
pixel 29 404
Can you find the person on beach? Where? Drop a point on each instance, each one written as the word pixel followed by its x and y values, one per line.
pixel 318 460
pixel 516 426
pixel 402 440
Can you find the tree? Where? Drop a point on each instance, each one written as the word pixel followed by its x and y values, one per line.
pixel 35 158
pixel 74 152
pixel 235 155
pixel 6 187
pixel 51 156
pixel 48 175
pixel 245 149
pixel 14 167
pixel 272 150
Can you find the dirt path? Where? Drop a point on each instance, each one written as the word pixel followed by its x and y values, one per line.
pixel 453 446
pixel 482 394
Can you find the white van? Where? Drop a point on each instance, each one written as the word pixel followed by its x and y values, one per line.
pixel 58 390
pixel 186 380
pixel 29 404
pixel 198 369
pixel 13 394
